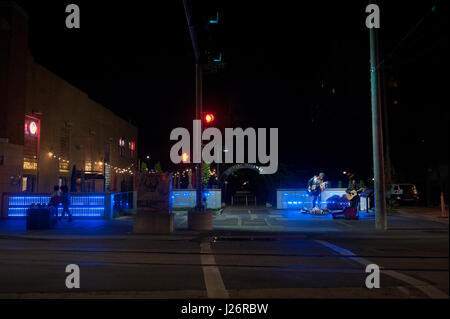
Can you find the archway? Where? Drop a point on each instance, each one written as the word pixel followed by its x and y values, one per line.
pixel 246 180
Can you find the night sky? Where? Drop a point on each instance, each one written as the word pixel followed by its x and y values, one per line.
pixel 282 62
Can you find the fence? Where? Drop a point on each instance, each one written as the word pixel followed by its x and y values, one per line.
pixel 124 202
pixel 299 198
pixel 186 198
pixel 84 205
pixel 243 200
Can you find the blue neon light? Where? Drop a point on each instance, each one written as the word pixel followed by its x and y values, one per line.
pixel 184 199
pixel 82 206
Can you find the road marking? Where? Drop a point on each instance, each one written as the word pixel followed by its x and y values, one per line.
pixel 215 287
pixel 252 216
pixel 344 223
pixel 426 288
pixel 239 221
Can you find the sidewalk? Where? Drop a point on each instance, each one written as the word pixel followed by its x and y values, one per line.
pixel 120 228
pixel 272 223
pixel 429 213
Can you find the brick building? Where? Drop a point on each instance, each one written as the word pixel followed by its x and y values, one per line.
pixel 50 131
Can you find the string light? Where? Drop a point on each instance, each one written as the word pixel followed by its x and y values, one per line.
pixel 119 170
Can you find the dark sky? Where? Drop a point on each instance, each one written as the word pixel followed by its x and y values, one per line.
pixel 283 59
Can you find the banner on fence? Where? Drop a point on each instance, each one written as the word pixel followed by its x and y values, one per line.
pixel 154 192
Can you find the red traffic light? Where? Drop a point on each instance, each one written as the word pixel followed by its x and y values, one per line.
pixel 209 118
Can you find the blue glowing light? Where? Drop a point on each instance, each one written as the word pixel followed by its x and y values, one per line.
pixel 82 205
pixel 184 199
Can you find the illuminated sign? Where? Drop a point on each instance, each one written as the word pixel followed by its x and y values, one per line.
pixel 33 128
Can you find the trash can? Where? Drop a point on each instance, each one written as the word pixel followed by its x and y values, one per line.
pixel 41 218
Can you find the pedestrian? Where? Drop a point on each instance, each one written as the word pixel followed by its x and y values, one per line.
pixel 55 200
pixel 65 199
pixel 315 187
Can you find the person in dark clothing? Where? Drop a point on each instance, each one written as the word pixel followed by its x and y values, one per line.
pixel 66 201
pixel 55 200
pixel 315 188
pixel 355 200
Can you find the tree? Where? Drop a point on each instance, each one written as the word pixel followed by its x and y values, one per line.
pixel 158 168
pixel 361 184
pixel 206 173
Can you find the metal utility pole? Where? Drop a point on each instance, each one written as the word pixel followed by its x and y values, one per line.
pixel 198 103
pixel 198 115
pixel 377 135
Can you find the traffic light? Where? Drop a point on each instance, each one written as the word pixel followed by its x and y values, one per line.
pixel 208 118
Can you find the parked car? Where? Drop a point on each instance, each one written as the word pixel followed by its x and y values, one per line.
pixel 403 193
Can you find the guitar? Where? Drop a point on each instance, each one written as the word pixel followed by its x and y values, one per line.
pixel 313 188
pixel 353 193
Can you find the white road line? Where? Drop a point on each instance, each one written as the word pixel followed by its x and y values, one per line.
pixel 344 223
pixel 426 288
pixel 215 288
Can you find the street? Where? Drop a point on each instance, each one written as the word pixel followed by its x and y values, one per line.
pixel 252 253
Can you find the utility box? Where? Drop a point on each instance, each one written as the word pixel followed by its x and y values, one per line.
pixel 41 218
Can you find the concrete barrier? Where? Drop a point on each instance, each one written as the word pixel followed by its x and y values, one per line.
pixel 200 221
pixel 150 222
pixel 291 198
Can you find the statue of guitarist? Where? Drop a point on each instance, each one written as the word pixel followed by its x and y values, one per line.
pixel 315 187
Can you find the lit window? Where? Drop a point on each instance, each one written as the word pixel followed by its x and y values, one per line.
pixel 122 147
pixel 132 147
pixel 24 184
pixel 98 166
pixel 88 166
pixel 63 166
pixel 30 165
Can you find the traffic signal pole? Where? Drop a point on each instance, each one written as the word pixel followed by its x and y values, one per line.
pixel 377 135
pixel 198 104
pixel 198 114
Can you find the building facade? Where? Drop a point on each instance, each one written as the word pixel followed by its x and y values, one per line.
pixel 51 132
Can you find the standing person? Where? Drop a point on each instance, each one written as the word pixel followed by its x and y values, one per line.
pixel 55 200
pixel 65 199
pixel 315 187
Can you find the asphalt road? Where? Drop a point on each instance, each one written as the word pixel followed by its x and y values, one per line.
pixel 256 253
